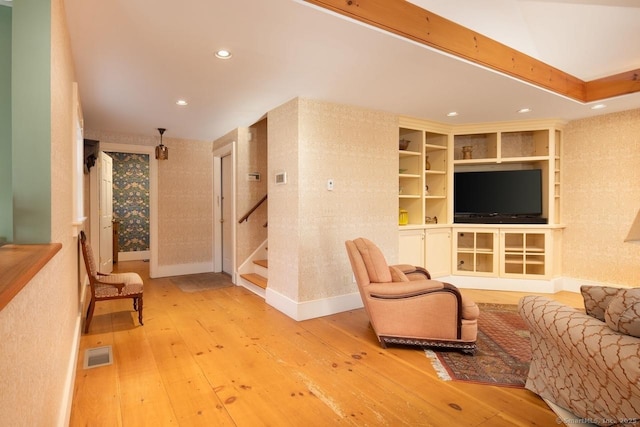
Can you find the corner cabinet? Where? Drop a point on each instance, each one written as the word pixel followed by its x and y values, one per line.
pixel 524 253
pixel 514 146
pixel 429 236
pixel 424 178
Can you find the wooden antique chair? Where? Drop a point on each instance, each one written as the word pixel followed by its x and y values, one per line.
pixel 109 286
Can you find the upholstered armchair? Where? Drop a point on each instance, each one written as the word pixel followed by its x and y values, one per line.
pixel 406 307
pixel 109 286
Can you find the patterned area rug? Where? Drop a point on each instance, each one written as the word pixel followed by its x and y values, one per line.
pixel 201 282
pixel 503 354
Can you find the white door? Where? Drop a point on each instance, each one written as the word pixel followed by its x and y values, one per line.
pixel 227 212
pixel 105 212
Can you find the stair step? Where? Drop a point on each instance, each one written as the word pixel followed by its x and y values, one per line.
pixel 261 262
pixel 256 279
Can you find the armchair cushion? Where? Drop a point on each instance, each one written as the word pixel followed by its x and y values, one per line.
pixel 623 313
pixel 397 275
pixel 403 289
pixel 374 261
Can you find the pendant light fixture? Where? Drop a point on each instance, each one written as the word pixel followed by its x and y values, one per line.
pixel 162 151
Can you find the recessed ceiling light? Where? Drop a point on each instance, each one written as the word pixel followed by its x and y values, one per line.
pixel 182 102
pixel 223 54
pixel 598 107
pixel 452 114
pixel 524 110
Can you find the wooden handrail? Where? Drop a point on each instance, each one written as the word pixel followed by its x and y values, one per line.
pixel 256 206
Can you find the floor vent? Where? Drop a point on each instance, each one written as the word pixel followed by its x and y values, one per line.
pixel 99 356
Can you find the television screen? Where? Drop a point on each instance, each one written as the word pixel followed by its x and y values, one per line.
pixel 498 193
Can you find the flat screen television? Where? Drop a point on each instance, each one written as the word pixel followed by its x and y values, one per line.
pixel 505 196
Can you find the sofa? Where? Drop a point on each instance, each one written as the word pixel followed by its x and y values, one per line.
pixel 587 362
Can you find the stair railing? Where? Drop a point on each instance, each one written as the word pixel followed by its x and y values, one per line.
pixel 246 216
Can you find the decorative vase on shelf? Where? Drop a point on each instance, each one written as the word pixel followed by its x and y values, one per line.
pixel 467 152
pixel 427 165
pixel 403 217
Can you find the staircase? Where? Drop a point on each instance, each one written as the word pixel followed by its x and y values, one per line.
pixel 254 271
pixel 259 275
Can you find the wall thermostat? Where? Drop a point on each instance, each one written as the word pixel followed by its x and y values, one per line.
pixel 281 178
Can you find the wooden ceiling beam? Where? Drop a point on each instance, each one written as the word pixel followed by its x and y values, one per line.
pixel 616 85
pixel 410 21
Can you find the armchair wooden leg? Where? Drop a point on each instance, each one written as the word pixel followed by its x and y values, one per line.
pixel 87 322
pixel 139 299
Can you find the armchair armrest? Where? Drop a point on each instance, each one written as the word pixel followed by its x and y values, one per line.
pixel 397 290
pixel 414 272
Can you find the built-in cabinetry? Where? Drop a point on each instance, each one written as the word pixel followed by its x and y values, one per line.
pixel 434 152
pixel 424 172
pixel 512 146
pixel 476 251
pixel 425 247
pixel 503 252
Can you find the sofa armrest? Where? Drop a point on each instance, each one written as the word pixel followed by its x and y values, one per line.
pixel 579 362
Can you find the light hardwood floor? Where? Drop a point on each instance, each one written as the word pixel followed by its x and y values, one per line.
pixel 225 358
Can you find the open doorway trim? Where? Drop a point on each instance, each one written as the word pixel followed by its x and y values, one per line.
pixel 153 196
pixel 218 154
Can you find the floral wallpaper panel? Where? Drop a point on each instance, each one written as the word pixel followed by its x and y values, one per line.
pixel 131 200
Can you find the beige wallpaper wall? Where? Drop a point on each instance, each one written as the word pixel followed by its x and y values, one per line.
pixel 37 328
pixel 314 141
pixel 185 196
pixel 601 195
pixel 185 203
pixel 252 157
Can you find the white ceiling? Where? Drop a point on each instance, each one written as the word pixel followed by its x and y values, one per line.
pixel 135 58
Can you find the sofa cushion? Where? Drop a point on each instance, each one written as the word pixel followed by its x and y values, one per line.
pixel 623 312
pixel 597 299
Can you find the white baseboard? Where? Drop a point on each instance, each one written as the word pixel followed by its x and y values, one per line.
pixel 69 384
pixel 573 285
pixel 312 309
pixel 134 255
pixel 501 284
pixel 182 269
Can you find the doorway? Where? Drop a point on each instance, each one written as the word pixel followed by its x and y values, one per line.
pixel 153 199
pixel 224 212
pixel 226 199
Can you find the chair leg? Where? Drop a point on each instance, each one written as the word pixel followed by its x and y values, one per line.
pixel 135 304
pixel 139 299
pixel 87 322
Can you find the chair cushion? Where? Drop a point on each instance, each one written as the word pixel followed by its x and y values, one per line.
pixel 397 275
pixel 597 299
pixel 374 261
pixel 623 312
pixel 132 285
